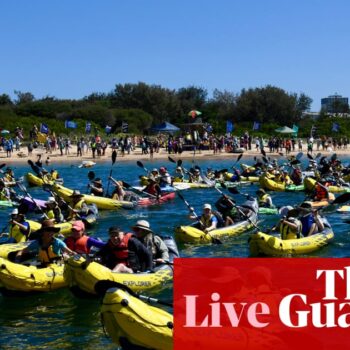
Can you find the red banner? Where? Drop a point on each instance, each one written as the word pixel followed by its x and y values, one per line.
pixel 262 304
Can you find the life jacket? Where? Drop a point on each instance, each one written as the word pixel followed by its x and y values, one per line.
pixel 79 205
pixel 17 234
pixel 79 245
pixel 121 251
pixel 228 176
pixel 50 214
pixel 263 200
pixel 321 192
pixel 207 222
pixel 54 175
pixel 3 194
pixel 288 232
pixel 151 189
pixel 47 256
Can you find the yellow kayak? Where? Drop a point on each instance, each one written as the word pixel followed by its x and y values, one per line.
pixel 130 322
pixel 101 202
pixel 264 244
pixel 34 180
pixel 269 184
pixel 20 278
pixel 310 183
pixel 191 234
pixel 9 250
pixel 84 275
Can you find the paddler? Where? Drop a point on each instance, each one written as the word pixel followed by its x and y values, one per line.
pixel 124 253
pixel 264 199
pixel 321 192
pixel 208 221
pixel 311 221
pixel 9 176
pixel 286 178
pixel 195 177
pixel 228 210
pixel 53 211
pixel 289 227
pixel 118 192
pixel 152 242
pixel 5 194
pixel 50 249
pixel 79 205
pixel 96 187
pixel 19 229
pixel 179 174
pixel 79 242
pixel 164 178
pixel 153 187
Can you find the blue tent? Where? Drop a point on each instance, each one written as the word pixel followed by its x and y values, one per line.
pixel 165 127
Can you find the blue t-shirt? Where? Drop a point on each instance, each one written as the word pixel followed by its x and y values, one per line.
pixel 57 246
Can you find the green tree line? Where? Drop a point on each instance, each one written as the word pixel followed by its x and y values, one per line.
pixel 142 105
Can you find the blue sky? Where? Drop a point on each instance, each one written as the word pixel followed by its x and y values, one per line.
pixel 71 48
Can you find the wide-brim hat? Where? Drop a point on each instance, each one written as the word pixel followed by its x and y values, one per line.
pixel 143 225
pixel 48 226
pixel 76 193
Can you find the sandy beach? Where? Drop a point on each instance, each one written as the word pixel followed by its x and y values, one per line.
pixel 56 157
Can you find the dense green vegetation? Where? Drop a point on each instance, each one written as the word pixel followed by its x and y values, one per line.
pixel 142 105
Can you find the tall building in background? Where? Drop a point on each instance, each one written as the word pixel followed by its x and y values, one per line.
pixel 335 104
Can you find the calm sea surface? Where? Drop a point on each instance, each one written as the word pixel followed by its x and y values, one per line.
pixel 60 321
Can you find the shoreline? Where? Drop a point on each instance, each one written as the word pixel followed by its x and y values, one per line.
pixel 55 156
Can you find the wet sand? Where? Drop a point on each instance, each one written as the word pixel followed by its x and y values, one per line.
pixel 55 156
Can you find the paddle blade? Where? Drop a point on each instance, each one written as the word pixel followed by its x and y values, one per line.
pixel 179 162
pixel 139 164
pixel 233 190
pixel 263 153
pixel 265 159
pixel 310 156
pixel 299 155
pixel 114 156
pixel 2 165
pixel 126 185
pixel 239 157
pixel 171 159
pixel 345 197
pixel 91 175
pixel 281 154
pixel 34 167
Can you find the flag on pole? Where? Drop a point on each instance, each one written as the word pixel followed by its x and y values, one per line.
pixel 88 127
pixel 335 127
pixel 44 129
pixel 125 127
pixel 229 126
pixel 256 126
pixel 69 124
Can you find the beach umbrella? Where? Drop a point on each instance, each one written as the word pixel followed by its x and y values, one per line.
pixel 4 132
pixel 285 130
pixel 194 113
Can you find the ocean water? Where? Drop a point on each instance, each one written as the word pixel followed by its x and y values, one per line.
pixel 58 320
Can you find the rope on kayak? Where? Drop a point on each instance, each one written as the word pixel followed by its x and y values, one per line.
pixel 125 303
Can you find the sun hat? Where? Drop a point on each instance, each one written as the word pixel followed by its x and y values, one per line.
pixel 143 225
pixel 76 193
pixel 154 170
pixel 78 225
pixel 14 212
pixel 48 226
pixel 283 211
pixel 51 200
pixel 207 206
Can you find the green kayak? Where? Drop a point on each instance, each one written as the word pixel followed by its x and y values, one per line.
pixel 268 211
pixel 295 188
pixel 7 204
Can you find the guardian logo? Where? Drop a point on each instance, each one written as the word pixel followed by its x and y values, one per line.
pixel 267 304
